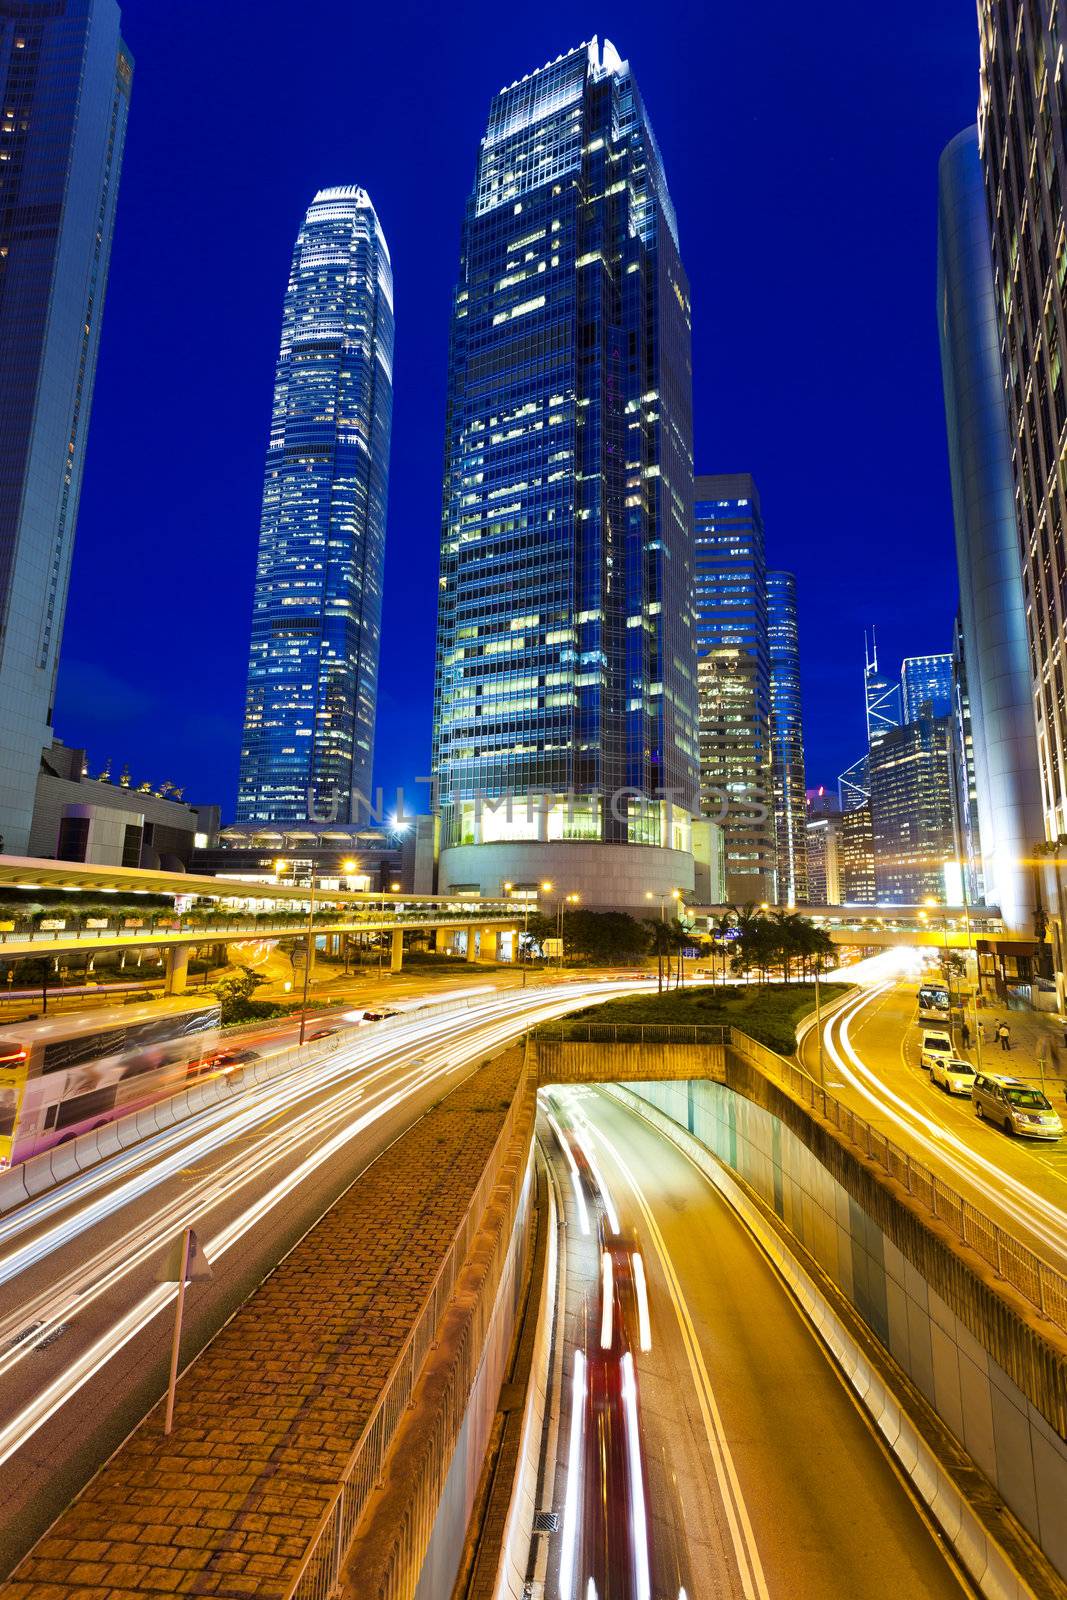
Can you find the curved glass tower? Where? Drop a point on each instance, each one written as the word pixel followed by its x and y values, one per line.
pixel 565 707
pixel 992 601
pixel 308 744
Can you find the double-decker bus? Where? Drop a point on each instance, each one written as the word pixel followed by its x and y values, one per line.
pixel 61 1076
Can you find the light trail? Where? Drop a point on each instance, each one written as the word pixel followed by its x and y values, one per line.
pixel 607 1296
pixel 644 1321
pixel 568 1546
pixel 374 1076
pixel 638 1511
pixel 1027 1210
pixel 742 1537
pixel 576 1177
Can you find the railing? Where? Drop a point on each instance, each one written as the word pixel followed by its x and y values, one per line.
pixel 281 926
pixel 634 1032
pixel 1036 1281
pixel 319 1573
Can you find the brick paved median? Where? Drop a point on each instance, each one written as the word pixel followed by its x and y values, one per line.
pixel 268 1415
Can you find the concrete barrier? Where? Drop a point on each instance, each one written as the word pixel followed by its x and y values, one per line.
pixel 413 1524
pixel 949 1330
pixel 37 1174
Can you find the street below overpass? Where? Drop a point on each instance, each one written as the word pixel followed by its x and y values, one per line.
pixel 85 1325
pixel 871 1062
pixel 764 1480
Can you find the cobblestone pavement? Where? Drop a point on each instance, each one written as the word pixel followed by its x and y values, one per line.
pixel 269 1413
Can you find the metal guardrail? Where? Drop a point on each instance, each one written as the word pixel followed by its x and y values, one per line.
pixel 1042 1285
pixel 267 926
pixel 319 1574
pixel 634 1033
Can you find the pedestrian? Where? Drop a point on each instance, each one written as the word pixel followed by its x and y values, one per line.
pixel 965 1034
pixel 1004 1035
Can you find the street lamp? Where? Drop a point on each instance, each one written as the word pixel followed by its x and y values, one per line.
pixel 971 944
pixel 508 890
pixel 279 867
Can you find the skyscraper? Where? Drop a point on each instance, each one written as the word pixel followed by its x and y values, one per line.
pixel 308 744
pixel 881 694
pixel 565 702
pixel 734 678
pixel 912 819
pixel 993 603
pixel 787 739
pixel 65 78
pixel 925 679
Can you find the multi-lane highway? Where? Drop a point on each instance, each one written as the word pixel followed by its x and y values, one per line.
pixel 871 1061
pixel 84 1329
pixel 762 1477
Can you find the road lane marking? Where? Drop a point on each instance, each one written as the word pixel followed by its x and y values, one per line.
pixel 742 1536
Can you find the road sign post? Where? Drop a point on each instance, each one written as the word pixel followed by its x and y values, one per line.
pixel 184 1264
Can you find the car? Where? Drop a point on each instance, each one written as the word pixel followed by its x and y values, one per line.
pixel 1015 1106
pixel 952 1074
pixel 322 1033
pixel 379 1015
pixel 227 1060
pixel 934 1044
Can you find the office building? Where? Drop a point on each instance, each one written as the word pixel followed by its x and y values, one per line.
pixel 964 776
pixel 822 832
pixel 925 679
pixel 854 785
pixel 565 740
pixel 856 856
pixel 787 740
pixel 308 746
pixel 881 695
pixel 911 810
pixel 993 604
pixel 65 78
pixel 111 819
pixel 734 679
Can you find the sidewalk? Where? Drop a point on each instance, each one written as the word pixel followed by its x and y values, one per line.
pixel 1036 1039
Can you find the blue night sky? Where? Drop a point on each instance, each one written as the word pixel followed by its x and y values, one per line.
pixel 801 147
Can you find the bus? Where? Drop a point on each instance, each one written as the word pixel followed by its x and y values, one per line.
pixel 61 1076
pixel 933 1002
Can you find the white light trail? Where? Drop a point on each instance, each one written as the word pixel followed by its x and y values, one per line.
pixel 607 1295
pixel 568 1544
pixel 638 1515
pixel 576 1177
pixel 644 1321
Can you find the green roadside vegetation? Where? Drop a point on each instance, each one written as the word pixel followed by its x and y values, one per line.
pixel 768 1012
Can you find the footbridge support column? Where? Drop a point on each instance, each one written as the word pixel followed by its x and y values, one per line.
pixel 176 969
pixel 396 950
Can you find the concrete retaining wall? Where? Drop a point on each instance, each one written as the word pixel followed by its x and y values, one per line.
pixel 988 1413
pixel 437 1451
pixel 567 1061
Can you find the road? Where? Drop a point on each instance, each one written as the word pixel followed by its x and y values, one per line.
pixel 84 1325
pixel 765 1479
pixel 871 1061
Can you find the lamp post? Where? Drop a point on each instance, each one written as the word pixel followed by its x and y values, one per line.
pixel 971 945
pixel 279 867
pixel 508 890
pixel 347 869
pixel 676 895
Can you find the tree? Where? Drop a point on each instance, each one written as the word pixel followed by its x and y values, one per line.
pixel 235 993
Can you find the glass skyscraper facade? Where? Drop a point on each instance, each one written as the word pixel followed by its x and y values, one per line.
pixel 993 605
pixel 308 746
pixel 787 739
pixel 65 79
pixel 1022 126
pixel 922 679
pixel 734 676
pixel 565 666
pixel 912 819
